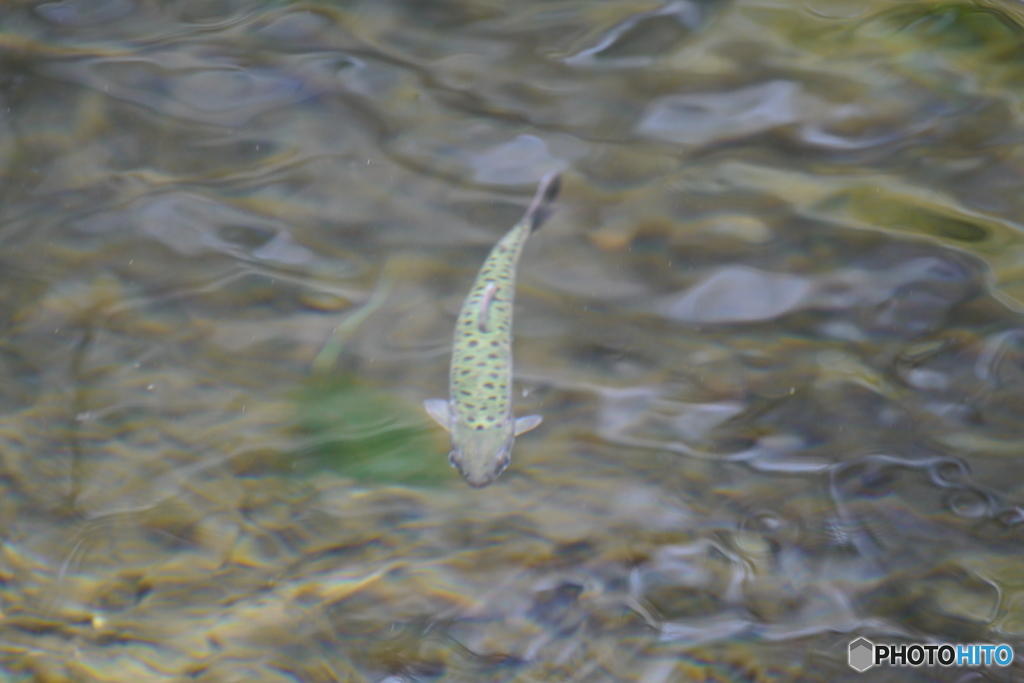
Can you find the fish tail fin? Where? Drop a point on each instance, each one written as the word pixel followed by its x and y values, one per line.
pixel 540 207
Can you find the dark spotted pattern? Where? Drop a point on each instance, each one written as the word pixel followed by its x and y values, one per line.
pixel 479 410
pixel 481 377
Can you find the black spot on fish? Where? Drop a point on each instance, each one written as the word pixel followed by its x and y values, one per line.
pixel 492 356
pixel 488 385
pixel 473 343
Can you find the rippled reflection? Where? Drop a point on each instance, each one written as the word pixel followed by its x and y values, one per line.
pixel 774 329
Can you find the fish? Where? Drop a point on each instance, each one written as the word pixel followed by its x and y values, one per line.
pixel 478 412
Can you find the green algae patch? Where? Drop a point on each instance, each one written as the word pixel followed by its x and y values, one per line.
pixel 895 213
pixel 368 435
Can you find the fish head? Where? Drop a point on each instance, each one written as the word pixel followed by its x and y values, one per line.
pixel 480 455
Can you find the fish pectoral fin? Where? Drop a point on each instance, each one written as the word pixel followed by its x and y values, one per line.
pixel 525 424
pixel 437 408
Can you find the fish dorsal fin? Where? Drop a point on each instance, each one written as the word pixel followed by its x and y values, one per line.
pixel 485 305
pixel 525 424
pixel 437 408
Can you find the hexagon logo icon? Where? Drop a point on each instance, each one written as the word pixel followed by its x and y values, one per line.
pixel 862 654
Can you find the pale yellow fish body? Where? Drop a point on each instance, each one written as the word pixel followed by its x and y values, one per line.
pixel 478 412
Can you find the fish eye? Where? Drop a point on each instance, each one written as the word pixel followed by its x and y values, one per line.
pixel 503 461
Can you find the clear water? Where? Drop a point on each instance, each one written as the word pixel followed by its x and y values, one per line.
pixel 774 328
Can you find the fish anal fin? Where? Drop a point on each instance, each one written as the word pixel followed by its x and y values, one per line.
pixel 437 408
pixel 525 424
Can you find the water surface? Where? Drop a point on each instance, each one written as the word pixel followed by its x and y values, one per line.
pixel 774 328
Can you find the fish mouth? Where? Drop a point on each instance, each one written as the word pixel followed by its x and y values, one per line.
pixel 478 482
pixel 477 479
